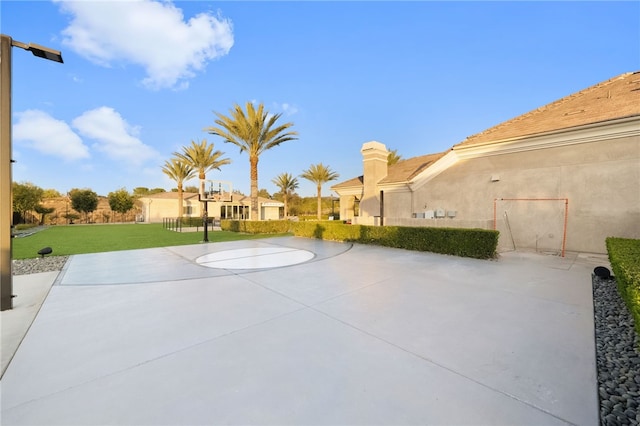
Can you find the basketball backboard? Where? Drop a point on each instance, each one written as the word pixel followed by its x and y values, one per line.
pixel 218 191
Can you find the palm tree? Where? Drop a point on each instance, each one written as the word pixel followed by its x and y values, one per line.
pixel 202 158
pixel 287 183
pixel 179 171
pixel 319 174
pixel 393 157
pixel 254 132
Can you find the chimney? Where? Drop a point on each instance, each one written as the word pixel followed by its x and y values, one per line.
pixel 374 159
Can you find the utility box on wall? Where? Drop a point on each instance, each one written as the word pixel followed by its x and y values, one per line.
pixel 439 213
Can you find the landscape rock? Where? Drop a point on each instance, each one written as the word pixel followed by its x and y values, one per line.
pixel 617 355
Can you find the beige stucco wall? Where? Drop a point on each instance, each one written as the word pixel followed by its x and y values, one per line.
pixel 397 204
pixel 269 212
pixel 601 181
pixel 155 210
pixel 347 205
pixel 374 163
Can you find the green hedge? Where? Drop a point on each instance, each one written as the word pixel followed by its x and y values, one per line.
pixel 476 243
pixel 326 230
pixel 191 221
pixel 256 226
pixel 624 255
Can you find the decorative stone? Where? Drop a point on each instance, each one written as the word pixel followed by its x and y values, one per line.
pixel 617 355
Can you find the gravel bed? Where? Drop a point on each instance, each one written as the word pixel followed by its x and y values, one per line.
pixel 32 266
pixel 617 356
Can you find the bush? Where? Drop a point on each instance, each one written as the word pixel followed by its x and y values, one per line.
pixel 476 243
pixel 326 230
pixel 192 221
pixel 624 255
pixel 25 226
pixel 256 227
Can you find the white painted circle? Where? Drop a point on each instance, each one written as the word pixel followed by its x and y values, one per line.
pixel 255 258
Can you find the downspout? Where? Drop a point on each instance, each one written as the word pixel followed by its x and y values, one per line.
pixel 381 208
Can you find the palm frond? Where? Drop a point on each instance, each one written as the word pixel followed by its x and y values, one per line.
pixel 254 131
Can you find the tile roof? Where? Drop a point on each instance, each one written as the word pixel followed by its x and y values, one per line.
pixel 402 171
pixel 357 181
pixel 405 170
pixel 616 98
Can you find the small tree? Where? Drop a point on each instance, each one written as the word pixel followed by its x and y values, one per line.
pixel 202 158
pixel 294 201
pixel 71 217
pixel 287 184
pixel 254 132
pixel 26 197
pixel 179 171
pixel 51 193
pixel 83 201
pixel 319 174
pixel 43 211
pixel 120 201
pixel 140 191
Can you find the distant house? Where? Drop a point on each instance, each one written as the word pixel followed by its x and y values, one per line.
pixel 157 207
pixel 562 177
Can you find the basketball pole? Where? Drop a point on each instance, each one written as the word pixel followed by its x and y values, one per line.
pixel 205 218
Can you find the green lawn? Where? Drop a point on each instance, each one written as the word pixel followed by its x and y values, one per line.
pixel 78 239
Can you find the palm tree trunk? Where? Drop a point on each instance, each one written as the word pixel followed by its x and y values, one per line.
pixel 253 162
pixel 286 196
pixel 202 177
pixel 319 201
pixel 180 201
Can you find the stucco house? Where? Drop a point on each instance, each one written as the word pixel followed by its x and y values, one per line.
pixel 163 205
pixel 562 177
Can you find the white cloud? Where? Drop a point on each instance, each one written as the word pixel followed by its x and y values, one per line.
pixel 289 109
pixel 148 33
pixel 114 136
pixel 286 108
pixel 44 133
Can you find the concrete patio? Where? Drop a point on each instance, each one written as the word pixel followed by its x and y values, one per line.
pixel 300 331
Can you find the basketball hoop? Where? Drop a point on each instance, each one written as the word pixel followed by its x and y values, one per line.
pixel 218 191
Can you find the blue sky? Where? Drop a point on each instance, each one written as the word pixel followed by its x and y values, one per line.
pixel 141 79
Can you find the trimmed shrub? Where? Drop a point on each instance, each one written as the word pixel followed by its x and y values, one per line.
pixel 191 221
pixel 256 226
pixel 327 230
pixel 624 255
pixel 25 226
pixel 476 243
